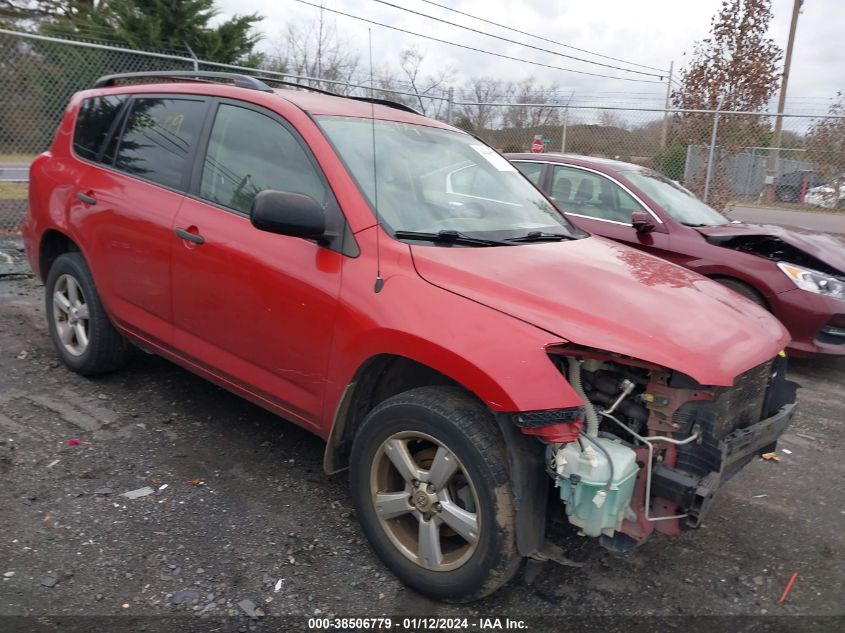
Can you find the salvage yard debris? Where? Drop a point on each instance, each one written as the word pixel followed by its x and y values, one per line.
pixel 137 494
pixel 770 457
pixel 788 587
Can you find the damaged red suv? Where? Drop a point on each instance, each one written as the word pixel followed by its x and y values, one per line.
pixel 401 290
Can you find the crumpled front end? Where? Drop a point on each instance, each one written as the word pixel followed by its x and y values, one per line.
pixel 655 446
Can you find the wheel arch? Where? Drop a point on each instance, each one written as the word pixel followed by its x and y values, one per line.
pixel 719 277
pixel 53 244
pixel 378 378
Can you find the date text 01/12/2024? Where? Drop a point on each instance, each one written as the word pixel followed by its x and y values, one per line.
pixel 414 624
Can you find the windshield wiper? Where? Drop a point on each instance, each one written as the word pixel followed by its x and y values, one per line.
pixel 542 236
pixel 448 237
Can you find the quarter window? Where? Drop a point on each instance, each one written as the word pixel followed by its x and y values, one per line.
pixel 158 138
pixel 249 152
pixel 585 193
pixel 96 120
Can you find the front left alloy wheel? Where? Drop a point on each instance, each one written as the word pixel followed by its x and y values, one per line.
pixel 430 484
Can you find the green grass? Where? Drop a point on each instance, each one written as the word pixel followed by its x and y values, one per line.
pixel 13 190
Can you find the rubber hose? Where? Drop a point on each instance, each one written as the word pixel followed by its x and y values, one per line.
pixel 592 429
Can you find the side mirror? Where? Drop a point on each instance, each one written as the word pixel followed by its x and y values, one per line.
pixel 641 222
pixel 288 213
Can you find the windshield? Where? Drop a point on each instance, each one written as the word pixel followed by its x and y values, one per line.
pixel 678 202
pixel 432 180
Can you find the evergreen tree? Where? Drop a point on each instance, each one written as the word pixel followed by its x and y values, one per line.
pixel 159 25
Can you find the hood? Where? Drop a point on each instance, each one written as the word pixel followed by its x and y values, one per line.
pixel 827 250
pixel 604 295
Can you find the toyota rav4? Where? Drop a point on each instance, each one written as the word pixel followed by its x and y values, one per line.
pixel 397 287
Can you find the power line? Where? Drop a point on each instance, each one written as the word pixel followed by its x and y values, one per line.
pixel 510 41
pixel 470 48
pixel 544 39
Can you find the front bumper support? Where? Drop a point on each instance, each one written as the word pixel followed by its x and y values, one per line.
pixel 694 494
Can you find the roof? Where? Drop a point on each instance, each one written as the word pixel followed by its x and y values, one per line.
pixel 602 164
pixel 312 100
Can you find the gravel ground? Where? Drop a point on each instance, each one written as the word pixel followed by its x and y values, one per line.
pixel 241 510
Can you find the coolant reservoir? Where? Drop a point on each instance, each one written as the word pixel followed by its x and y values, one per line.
pixel 593 502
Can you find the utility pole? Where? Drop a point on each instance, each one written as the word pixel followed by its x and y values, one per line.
pixel 664 131
pixel 774 151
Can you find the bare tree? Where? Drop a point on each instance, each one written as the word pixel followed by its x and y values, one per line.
pixel 482 90
pixel 528 91
pixel 316 50
pixel 612 118
pixel 424 87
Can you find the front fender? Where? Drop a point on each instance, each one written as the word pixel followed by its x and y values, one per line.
pixel 500 359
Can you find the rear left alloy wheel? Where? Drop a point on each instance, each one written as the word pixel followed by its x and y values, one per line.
pixel 81 331
pixel 430 484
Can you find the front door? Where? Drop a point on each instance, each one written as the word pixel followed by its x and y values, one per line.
pixel 602 206
pixel 256 308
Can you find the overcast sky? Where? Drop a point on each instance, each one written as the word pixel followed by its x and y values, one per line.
pixel 650 32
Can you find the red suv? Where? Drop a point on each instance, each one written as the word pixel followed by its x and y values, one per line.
pixel 400 289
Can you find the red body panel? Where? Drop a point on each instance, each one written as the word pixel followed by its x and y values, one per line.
pixel 288 323
pixel 802 312
pixel 595 298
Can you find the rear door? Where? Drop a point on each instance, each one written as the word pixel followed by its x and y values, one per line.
pixel 130 202
pixel 602 206
pixel 256 308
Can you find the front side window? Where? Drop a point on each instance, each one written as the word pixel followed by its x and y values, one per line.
pixel 427 179
pixel 158 137
pixel 249 152
pixel 96 119
pixel 585 193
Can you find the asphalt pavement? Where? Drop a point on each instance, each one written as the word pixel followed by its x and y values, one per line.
pixel 811 220
pixel 14 171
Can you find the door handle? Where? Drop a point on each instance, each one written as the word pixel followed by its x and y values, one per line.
pixel 191 237
pixel 84 197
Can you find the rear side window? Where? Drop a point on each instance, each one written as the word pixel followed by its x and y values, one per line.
pixel 532 171
pixel 158 138
pixel 96 120
pixel 249 152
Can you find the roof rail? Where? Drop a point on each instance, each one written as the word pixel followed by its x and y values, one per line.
pixel 242 81
pixel 385 102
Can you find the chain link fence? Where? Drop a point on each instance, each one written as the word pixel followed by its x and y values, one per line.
pixel 721 156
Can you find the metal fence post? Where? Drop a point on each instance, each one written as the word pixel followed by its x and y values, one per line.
pixel 563 132
pixel 450 100
pixel 193 56
pixel 712 149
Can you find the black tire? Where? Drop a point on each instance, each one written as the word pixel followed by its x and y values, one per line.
pixel 467 429
pixel 106 350
pixel 745 290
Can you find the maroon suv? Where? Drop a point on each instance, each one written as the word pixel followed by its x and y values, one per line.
pixel 470 357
